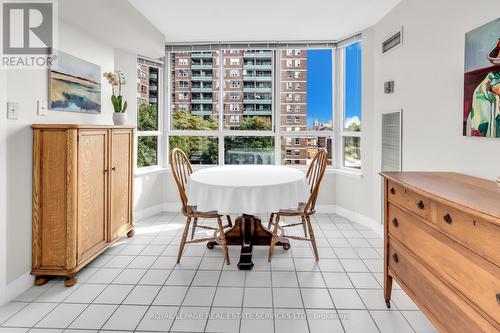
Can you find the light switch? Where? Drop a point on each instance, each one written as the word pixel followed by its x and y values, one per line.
pixel 42 108
pixel 12 110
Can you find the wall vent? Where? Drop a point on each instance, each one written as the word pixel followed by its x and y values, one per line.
pixel 393 42
pixel 392 139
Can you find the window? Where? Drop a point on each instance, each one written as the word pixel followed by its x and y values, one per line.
pixel 148 120
pixel 235 72
pixel 183 61
pixel 351 115
pixel 225 112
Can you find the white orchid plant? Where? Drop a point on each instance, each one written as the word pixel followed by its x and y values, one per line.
pixel 117 80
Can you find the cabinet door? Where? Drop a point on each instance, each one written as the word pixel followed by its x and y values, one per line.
pixel 121 182
pixel 92 191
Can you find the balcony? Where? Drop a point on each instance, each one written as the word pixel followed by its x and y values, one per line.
pixel 258 54
pixel 201 55
pixel 258 66
pixel 201 78
pixel 202 100
pixel 201 112
pixel 258 89
pixel 201 89
pixel 257 101
pixel 256 112
pixel 266 78
pixel 201 66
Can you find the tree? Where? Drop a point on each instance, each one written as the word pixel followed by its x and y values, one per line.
pixel 200 150
pixel 147 146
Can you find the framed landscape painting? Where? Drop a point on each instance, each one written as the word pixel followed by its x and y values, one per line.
pixel 75 84
pixel 482 81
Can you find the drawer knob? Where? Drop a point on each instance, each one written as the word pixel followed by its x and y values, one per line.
pixel 420 205
pixel 498 298
pixel 396 258
pixel 447 218
pixel 393 191
pixel 395 222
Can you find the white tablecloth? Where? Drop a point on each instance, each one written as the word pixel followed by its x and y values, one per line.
pixel 247 189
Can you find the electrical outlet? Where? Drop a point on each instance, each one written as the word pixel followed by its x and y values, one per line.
pixel 42 108
pixel 12 110
pixel 389 87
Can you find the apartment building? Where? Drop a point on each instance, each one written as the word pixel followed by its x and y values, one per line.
pixel 147 83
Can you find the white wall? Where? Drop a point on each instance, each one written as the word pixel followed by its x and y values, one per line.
pixel 26 87
pixel 428 73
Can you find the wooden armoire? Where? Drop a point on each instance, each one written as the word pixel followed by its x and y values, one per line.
pixel 82 195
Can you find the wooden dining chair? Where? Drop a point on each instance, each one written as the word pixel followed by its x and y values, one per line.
pixel 304 211
pixel 182 169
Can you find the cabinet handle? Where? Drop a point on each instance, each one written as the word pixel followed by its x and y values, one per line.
pixel 420 205
pixel 395 258
pixel 395 222
pixel 393 191
pixel 113 168
pixel 447 218
pixel 106 170
pixel 498 298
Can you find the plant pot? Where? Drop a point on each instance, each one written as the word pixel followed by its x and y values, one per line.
pixel 119 118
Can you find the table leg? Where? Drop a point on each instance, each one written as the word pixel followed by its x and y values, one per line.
pixel 248 231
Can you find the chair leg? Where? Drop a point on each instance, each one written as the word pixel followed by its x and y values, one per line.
pixel 195 224
pixel 313 239
pixel 270 221
pixel 223 240
pixel 229 223
pixel 274 239
pixel 304 225
pixel 183 240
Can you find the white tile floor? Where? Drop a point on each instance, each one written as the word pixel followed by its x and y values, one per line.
pixel 137 287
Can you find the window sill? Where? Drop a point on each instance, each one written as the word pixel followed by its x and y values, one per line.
pixel 148 171
pixel 347 173
pixel 141 172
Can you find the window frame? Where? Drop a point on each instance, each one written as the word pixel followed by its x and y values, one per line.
pixel 342 132
pixel 160 133
pixel 337 134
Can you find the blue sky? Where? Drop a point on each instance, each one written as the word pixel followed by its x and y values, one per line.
pixel 320 85
pixel 353 81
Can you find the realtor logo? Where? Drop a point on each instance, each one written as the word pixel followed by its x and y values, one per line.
pixel 27 29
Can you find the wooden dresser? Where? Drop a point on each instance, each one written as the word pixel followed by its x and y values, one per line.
pixel 82 195
pixel 442 246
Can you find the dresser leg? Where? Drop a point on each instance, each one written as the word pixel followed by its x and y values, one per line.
pixel 131 233
pixel 387 290
pixel 70 280
pixel 41 280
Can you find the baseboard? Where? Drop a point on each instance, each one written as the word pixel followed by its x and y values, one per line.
pixel 321 209
pixel 157 209
pixel 17 287
pixel 361 219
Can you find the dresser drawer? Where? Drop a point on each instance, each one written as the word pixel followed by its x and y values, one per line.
pixel 408 199
pixel 480 236
pixel 477 279
pixel 447 310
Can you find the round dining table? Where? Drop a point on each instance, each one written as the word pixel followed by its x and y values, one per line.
pixel 248 191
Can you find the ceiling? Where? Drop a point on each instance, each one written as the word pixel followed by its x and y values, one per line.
pixel 261 20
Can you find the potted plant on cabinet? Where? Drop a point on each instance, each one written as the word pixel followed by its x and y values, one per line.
pixel 117 80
